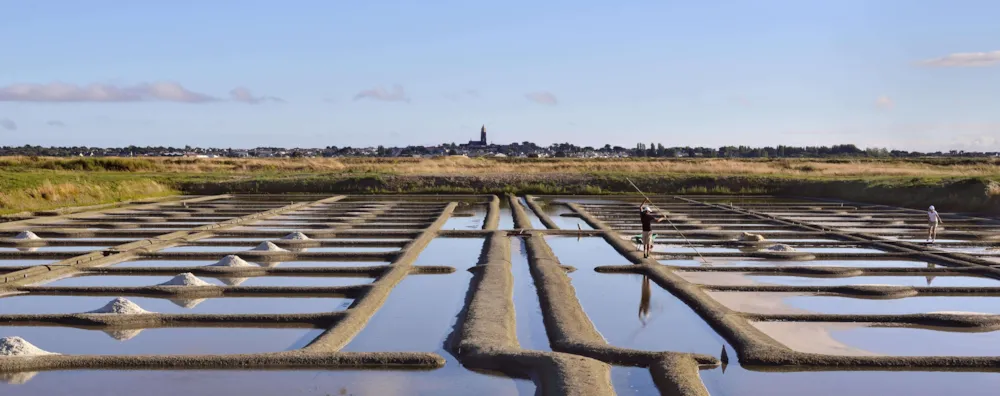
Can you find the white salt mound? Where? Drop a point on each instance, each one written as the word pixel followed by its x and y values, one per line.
pixel 185 279
pixel 17 346
pixel 748 237
pixel 26 235
pixel 296 236
pixel 268 247
pixel 232 261
pixel 120 306
pixel 780 248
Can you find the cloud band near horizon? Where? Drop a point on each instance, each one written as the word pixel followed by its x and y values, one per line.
pixel 164 91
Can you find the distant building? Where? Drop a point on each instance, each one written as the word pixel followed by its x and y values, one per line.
pixel 482 139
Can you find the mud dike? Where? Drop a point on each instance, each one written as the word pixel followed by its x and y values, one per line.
pixel 332 276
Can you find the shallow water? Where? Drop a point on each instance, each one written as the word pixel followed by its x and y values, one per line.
pixel 54 248
pixel 351 249
pixel 474 222
pixel 419 316
pixel 536 223
pixel 556 213
pixel 29 304
pixel 284 264
pixel 614 303
pixel 738 381
pixel 530 325
pixel 585 252
pixel 24 263
pixel 246 383
pixel 735 262
pixel 743 278
pixel 899 341
pixel 773 302
pixel 451 252
pixel 141 280
pixel 162 341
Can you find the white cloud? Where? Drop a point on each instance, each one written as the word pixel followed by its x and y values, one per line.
pixel 163 91
pixel 56 123
pixel 396 95
pixel 61 92
pixel 965 59
pixel 884 102
pixel 241 94
pixel 8 124
pixel 542 97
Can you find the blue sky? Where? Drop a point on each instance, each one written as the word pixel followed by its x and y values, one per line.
pixel 914 74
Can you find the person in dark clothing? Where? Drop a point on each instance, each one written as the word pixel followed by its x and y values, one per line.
pixel 647 218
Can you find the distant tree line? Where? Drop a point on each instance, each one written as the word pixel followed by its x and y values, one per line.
pixel 652 150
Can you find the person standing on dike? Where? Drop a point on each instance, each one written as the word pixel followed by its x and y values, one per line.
pixel 933 219
pixel 647 218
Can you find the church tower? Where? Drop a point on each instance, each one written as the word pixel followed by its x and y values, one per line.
pixel 482 135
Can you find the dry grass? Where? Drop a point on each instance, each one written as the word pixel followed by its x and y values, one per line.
pixel 466 166
pixel 50 195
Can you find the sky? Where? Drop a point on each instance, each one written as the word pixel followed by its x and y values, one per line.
pixel 901 74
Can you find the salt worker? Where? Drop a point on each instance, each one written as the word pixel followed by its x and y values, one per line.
pixel 933 219
pixel 647 218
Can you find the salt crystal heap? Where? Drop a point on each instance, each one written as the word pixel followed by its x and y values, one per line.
pixel 267 246
pixel 232 261
pixel 296 236
pixel 17 346
pixel 185 279
pixel 120 306
pixel 26 236
pixel 748 237
pixel 780 248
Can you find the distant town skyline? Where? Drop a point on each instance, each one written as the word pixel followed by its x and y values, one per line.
pixel 896 74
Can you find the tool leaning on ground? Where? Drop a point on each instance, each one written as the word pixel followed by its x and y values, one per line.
pixel 664 217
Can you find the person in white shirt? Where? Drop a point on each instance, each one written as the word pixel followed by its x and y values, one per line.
pixel 933 219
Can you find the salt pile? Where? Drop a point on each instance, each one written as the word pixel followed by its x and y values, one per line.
pixel 17 346
pixel 185 279
pixel 26 235
pixel 780 248
pixel 296 236
pixel 748 237
pixel 120 306
pixel 267 247
pixel 232 261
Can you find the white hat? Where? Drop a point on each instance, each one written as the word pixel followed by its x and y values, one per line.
pixel 931 208
pixel 646 209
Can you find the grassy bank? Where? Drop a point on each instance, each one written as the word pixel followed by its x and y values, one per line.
pixel 34 191
pixel 970 185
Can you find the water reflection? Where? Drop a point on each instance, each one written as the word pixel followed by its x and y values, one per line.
pixel 644 301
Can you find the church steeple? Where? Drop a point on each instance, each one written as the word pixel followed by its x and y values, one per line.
pixel 482 135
